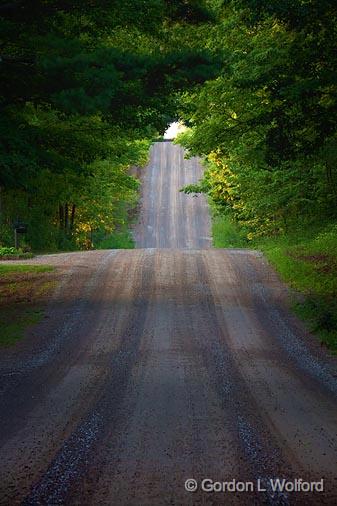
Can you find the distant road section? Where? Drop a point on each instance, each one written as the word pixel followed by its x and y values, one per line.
pixel 170 218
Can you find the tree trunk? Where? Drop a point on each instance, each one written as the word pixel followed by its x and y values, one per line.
pixel 72 217
pixel 66 217
pixel 61 216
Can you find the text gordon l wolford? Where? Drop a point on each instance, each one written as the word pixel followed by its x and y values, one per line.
pixel 274 484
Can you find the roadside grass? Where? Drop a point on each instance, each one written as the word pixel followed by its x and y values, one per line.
pixel 306 259
pixel 225 233
pixel 24 291
pixel 118 240
pixel 10 268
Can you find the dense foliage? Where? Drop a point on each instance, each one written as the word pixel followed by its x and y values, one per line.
pixel 85 86
pixel 268 124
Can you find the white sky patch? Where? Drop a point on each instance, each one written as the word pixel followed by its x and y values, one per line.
pixel 174 129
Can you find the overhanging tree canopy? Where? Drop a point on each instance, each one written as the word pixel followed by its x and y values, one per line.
pixel 82 77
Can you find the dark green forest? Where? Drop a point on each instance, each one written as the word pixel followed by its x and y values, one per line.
pixel 267 123
pixel 85 87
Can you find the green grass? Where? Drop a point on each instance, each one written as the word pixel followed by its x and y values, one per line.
pixel 9 268
pixel 226 234
pixel 11 253
pixel 13 324
pixel 306 260
pixel 23 292
pixel 117 240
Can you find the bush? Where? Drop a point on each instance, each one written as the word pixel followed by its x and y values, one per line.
pixel 13 253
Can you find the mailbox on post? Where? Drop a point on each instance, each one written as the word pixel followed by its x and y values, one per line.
pixel 19 228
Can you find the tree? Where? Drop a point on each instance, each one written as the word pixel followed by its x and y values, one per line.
pixel 78 79
pixel 268 122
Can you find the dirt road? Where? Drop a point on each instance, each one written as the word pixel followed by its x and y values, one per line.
pixel 154 366
pixel 169 219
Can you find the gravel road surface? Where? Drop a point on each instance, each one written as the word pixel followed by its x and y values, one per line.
pixel 170 362
pixel 168 218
